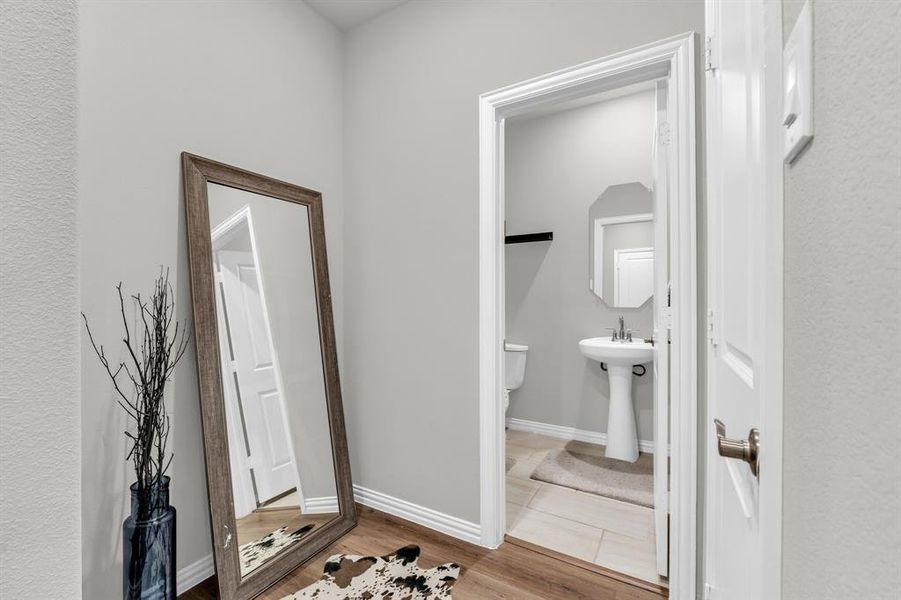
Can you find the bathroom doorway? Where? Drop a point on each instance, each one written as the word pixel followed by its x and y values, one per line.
pixel 588 449
pixel 580 444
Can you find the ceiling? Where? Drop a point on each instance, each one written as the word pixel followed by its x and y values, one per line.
pixel 347 14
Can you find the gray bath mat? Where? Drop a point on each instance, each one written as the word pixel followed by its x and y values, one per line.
pixel 617 479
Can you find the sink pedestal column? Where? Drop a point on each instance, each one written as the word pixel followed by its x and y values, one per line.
pixel 622 435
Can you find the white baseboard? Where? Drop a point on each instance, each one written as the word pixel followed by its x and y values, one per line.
pixel 322 504
pixel 193 574
pixel 452 526
pixel 570 433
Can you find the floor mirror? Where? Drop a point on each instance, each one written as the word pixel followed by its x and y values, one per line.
pixel 277 466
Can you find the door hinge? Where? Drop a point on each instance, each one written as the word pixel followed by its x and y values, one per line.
pixel 663 134
pixel 708 54
pixel 709 592
pixel 710 335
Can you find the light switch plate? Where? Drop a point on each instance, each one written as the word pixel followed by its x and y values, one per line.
pixel 797 88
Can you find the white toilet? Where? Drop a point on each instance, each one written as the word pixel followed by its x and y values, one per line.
pixel 514 369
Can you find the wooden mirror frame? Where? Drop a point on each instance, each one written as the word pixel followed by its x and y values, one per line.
pixel 197 173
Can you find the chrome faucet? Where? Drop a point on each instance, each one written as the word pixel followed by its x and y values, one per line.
pixel 622 334
pixel 619 335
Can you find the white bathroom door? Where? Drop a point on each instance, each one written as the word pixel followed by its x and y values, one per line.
pixel 265 423
pixel 743 329
pixel 661 333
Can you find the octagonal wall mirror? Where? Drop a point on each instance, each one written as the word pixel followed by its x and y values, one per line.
pixel 621 252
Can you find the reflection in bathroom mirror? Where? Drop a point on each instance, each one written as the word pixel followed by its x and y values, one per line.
pixel 280 453
pixel 621 257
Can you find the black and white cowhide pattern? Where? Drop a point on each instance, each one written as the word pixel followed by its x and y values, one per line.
pixel 253 554
pixel 392 577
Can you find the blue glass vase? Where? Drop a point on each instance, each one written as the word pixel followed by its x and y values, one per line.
pixel 148 545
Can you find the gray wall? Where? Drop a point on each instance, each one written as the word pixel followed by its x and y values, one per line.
pixel 157 78
pixel 40 424
pixel 556 167
pixel 411 237
pixel 842 480
pixel 282 236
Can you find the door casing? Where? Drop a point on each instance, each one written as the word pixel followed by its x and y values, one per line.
pixel 672 59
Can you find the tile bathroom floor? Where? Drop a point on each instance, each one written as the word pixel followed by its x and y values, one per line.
pixel 613 534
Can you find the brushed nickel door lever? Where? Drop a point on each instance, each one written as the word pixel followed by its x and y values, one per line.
pixel 747 450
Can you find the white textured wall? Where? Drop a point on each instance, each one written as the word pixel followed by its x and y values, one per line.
pixel 256 84
pixel 40 401
pixel 556 167
pixel 842 478
pixel 411 237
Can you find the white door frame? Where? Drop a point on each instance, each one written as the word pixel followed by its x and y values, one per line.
pixel 769 121
pixel 673 59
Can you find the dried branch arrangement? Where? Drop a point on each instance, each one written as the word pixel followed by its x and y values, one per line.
pixel 153 351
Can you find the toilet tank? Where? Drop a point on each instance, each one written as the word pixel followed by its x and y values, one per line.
pixel 514 365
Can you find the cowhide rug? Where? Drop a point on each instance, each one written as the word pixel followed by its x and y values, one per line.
pixel 392 577
pixel 253 554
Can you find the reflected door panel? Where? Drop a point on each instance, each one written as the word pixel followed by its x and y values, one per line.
pixel 258 394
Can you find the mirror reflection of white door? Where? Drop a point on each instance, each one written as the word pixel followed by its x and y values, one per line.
pixel 633 278
pixel 256 384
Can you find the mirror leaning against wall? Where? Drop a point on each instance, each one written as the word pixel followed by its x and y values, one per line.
pixel 276 452
pixel 621 256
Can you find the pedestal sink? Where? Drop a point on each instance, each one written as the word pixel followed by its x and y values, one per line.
pixel 619 356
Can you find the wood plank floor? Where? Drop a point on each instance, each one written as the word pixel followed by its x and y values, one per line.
pixel 511 572
pixel 264 521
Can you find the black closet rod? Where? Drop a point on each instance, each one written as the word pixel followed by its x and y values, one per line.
pixel 544 236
